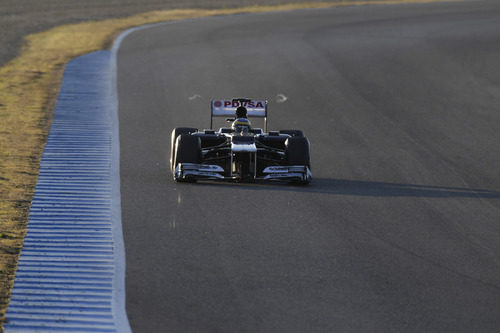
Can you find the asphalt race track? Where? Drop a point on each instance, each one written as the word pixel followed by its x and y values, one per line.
pixel 400 228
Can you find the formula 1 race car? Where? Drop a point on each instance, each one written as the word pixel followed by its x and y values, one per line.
pixel 240 153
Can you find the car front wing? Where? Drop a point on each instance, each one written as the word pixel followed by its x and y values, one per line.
pixel 193 172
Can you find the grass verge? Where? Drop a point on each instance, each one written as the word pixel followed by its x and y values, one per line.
pixel 28 89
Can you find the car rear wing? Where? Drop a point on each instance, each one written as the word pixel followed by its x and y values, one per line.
pixel 227 108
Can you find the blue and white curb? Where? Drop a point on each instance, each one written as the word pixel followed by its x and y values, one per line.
pixel 71 272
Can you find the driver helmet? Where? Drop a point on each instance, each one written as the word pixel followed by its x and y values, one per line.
pixel 241 112
pixel 241 124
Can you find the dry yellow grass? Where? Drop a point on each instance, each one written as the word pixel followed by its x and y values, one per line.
pixel 28 90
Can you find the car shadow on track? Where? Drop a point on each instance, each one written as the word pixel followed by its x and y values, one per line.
pixel 366 189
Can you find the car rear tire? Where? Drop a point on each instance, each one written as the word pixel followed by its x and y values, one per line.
pixel 293 132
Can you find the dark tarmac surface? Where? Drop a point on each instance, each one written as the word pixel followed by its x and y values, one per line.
pixel 19 18
pixel 399 230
